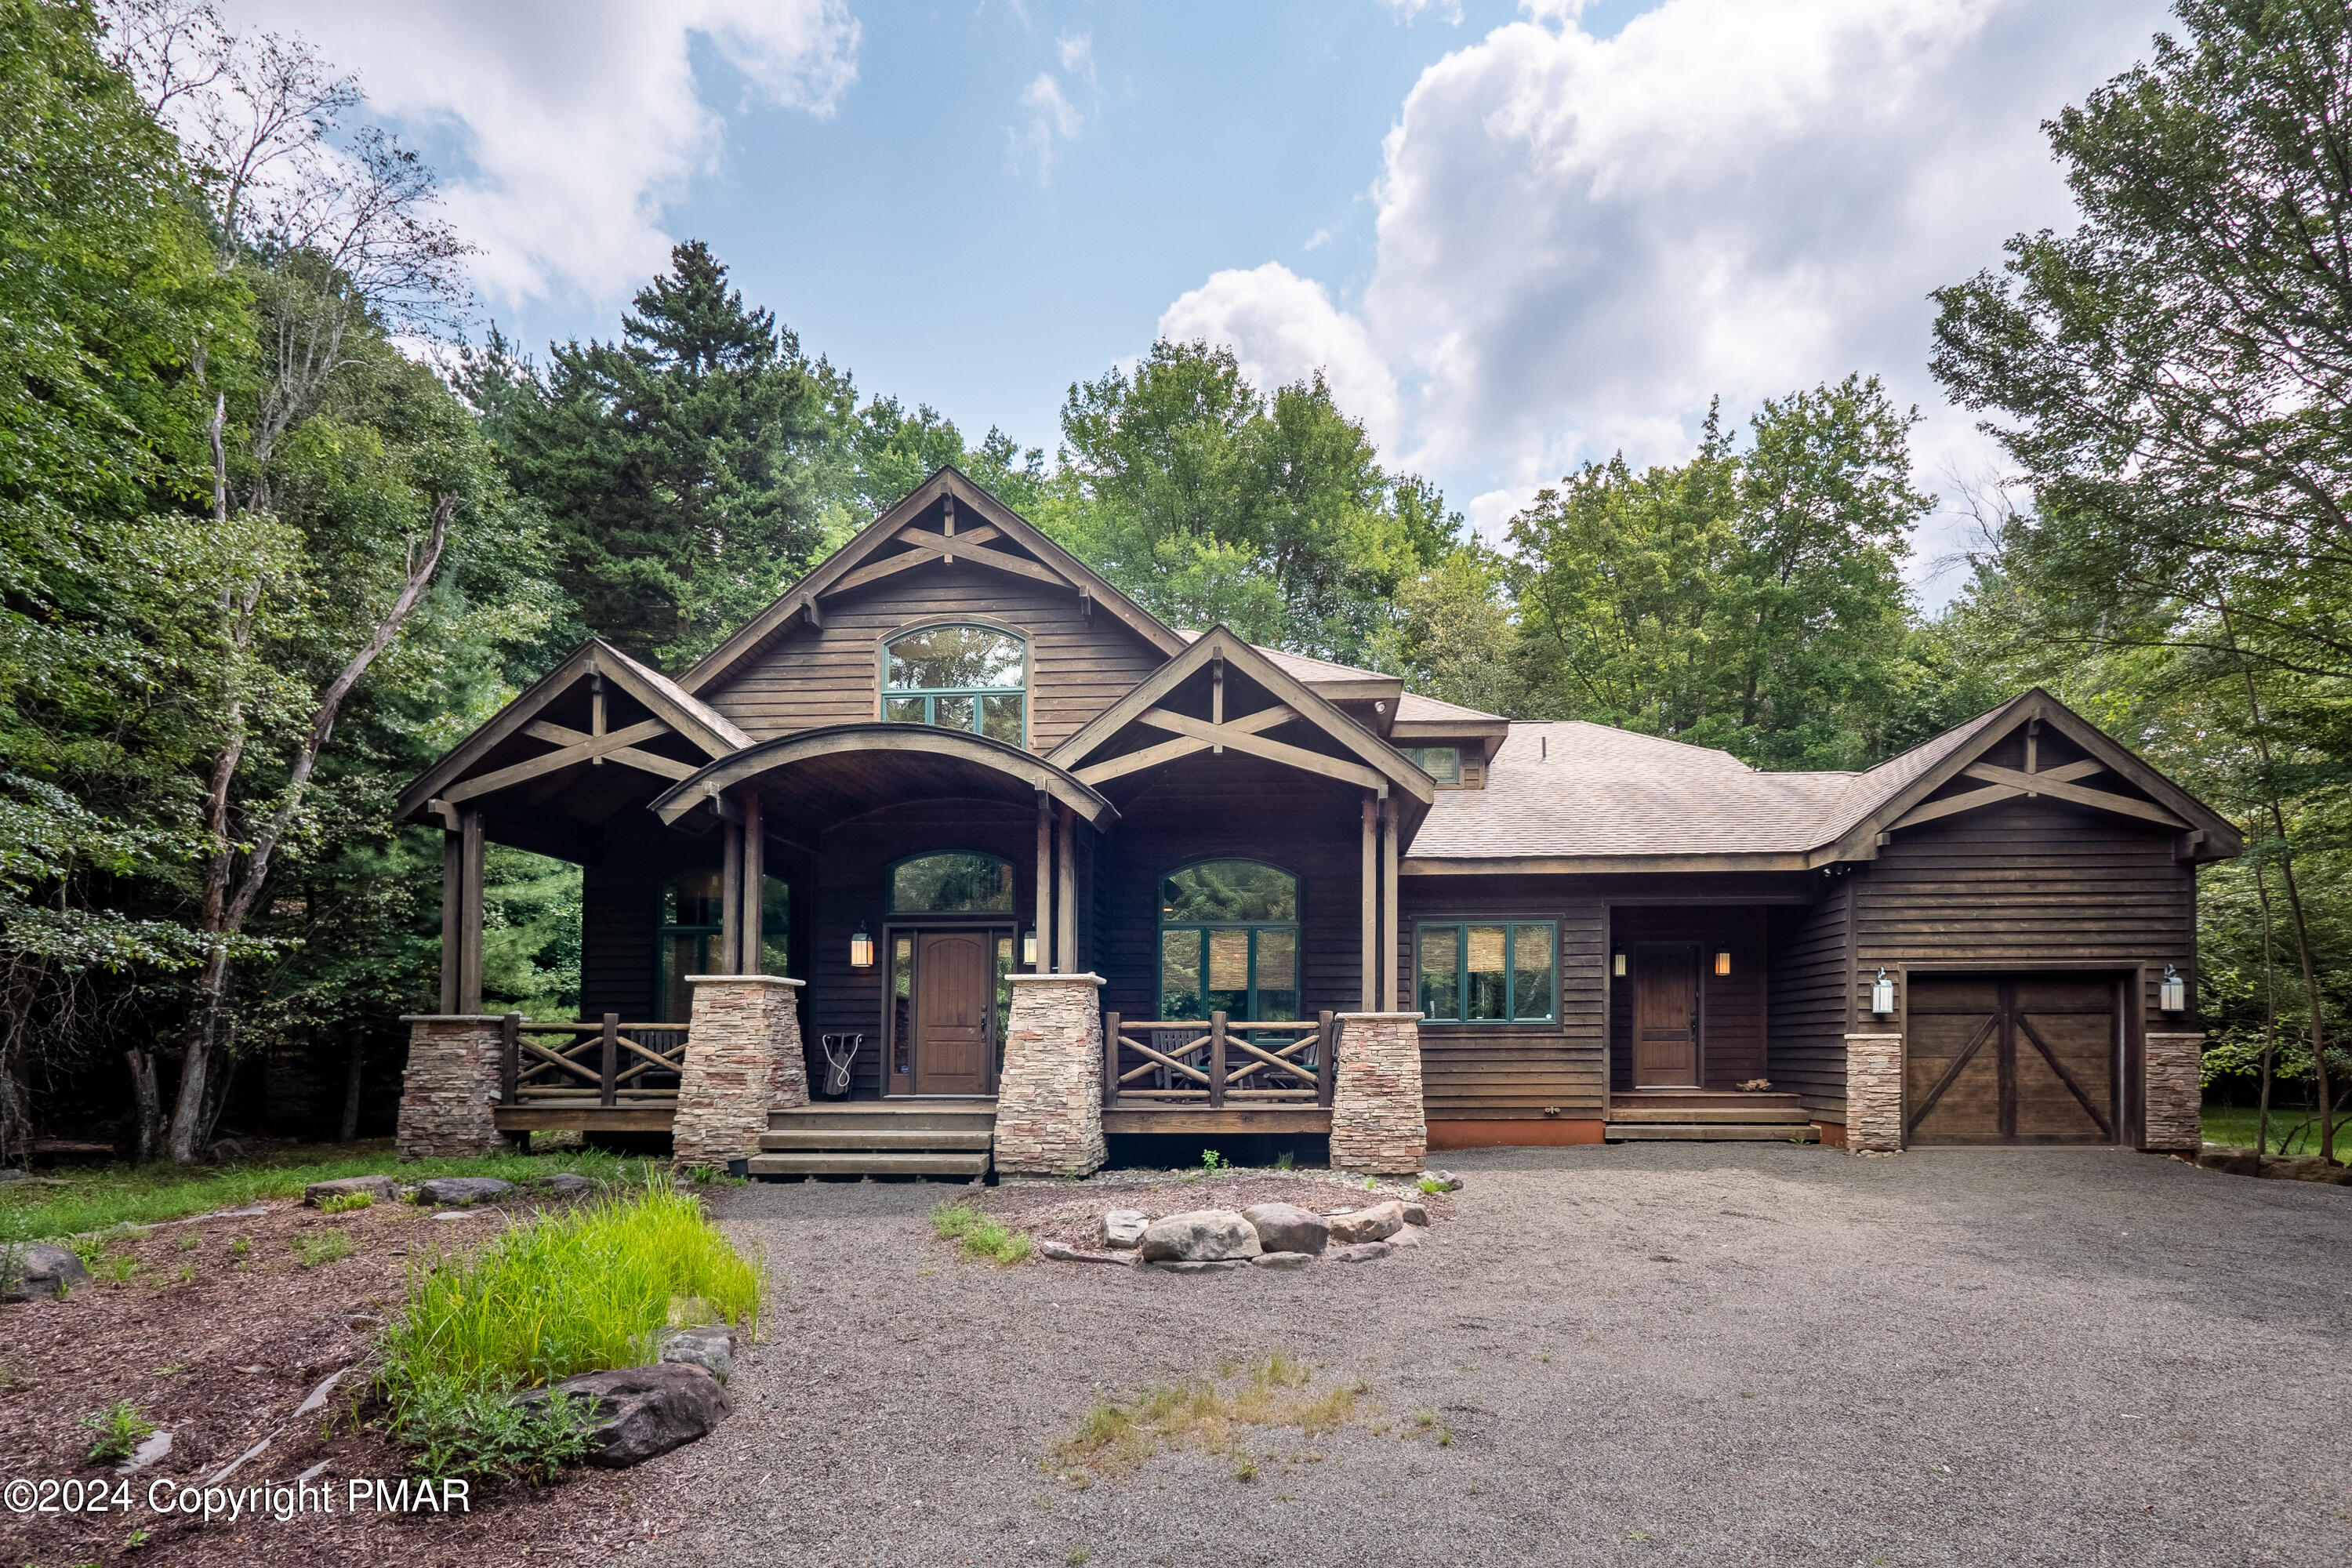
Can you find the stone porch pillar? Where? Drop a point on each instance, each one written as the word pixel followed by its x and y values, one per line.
pixel 449 1087
pixel 742 1060
pixel 1049 1095
pixel 1874 1093
pixel 1377 1124
pixel 2172 1119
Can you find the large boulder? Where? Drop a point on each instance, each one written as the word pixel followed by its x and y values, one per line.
pixel 1377 1223
pixel 462 1190
pixel 1281 1260
pixel 1286 1227
pixel 1201 1235
pixel 1060 1254
pixel 640 1411
pixel 381 1189
pixel 37 1269
pixel 710 1347
pixel 1122 1229
pixel 564 1182
pixel 1359 1252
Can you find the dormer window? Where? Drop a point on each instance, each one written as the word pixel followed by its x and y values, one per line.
pixel 1443 763
pixel 958 677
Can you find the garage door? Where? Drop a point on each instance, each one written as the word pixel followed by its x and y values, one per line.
pixel 2012 1058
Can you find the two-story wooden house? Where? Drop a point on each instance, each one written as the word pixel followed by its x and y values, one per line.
pixel 952 759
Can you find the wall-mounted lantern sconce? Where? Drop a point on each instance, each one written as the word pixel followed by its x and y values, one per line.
pixel 1881 994
pixel 1723 963
pixel 861 949
pixel 1029 947
pixel 2172 992
pixel 1617 965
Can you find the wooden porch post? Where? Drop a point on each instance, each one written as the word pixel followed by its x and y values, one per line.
pixel 1388 998
pixel 755 863
pixel 731 901
pixel 453 897
pixel 1066 897
pixel 469 911
pixel 1045 883
pixel 1371 978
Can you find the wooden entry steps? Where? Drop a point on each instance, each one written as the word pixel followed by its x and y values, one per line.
pixel 1699 1117
pixel 942 1138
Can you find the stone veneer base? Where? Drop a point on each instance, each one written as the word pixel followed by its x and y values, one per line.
pixel 743 1059
pixel 450 1087
pixel 1874 1093
pixel 1377 1121
pixel 2172 1118
pixel 1049 1095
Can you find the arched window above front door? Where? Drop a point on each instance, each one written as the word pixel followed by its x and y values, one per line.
pixel 1229 941
pixel 958 677
pixel 951 884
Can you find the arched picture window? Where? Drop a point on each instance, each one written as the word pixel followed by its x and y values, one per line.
pixel 958 677
pixel 951 884
pixel 690 929
pixel 1229 941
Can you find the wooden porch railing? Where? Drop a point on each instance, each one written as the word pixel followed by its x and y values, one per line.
pixel 607 1063
pixel 1173 1064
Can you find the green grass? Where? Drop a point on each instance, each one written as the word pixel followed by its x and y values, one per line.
pixel 2236 1124
pixel 101 1197
pixel 120 1428
pixel 578 1291
pixel 347 1202
pixel 325 1246
pixel 980 1236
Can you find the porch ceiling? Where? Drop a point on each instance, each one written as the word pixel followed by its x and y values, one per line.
pixel 821 777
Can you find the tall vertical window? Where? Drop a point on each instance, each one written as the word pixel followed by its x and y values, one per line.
pixel 958 677
pixel 1229 941
pixel 691 924
pixel 1502 972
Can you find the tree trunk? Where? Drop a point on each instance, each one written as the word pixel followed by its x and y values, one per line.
pixel 191 1112
pixel 351 1128
pixel 2302 929
pixel 2269 1019
pixel 147 1101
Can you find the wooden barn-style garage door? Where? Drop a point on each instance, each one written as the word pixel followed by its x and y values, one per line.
pixel 2012 1058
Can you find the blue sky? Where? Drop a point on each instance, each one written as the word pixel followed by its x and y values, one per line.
pixel 1516 237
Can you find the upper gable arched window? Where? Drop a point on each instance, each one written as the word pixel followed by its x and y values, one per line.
pixel 958 677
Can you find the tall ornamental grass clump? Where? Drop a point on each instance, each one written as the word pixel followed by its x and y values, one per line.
pixel 576 1292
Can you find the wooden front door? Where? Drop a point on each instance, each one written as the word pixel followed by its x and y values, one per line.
pixel 955 1003
pixel 1665 1017
pixel 2026 1058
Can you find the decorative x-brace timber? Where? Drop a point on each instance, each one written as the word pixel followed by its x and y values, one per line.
pixel 2058 783
pixel 619 745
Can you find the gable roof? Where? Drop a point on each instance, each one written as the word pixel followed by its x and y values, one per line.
pixel 1338 682
pixel 1373 760
pixel 1577 797
pixel 864 552
pixel 709 731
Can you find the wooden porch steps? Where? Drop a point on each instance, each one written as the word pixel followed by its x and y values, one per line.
pixel 1697 1116
pixel 946 1139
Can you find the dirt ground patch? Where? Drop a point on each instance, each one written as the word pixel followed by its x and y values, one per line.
pixel 218 1330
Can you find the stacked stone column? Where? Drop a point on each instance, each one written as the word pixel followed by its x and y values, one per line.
pixel 1874 1093
pixel 1377 1121
pixel 2172 1119
pixel 450 1087
pixel 1049 1095
pixel 743 1059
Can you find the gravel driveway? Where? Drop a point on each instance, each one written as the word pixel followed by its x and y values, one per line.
pixel 1763 1353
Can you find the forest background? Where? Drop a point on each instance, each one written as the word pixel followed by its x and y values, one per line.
pixel 278 525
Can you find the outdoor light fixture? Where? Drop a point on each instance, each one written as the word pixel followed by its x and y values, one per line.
pixel 1029 947
pixel 2172 994
pixel 1881 994
pixel 1723 963
pixel 1617 965
pixel 861 949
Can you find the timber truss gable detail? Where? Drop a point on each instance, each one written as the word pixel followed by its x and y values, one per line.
pixel 973 530
pixel 1367 762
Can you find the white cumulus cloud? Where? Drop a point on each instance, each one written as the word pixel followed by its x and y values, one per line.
pixel 1050 114
pixel 576 123
pixel 1284 328
pixel 1581 239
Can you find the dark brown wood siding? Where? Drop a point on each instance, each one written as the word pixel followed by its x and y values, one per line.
pixel 1807 999
pixel 817 676
pixel 1514 1071
pixel 1731 1006
pixel 1239 808
pixel 2029 883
